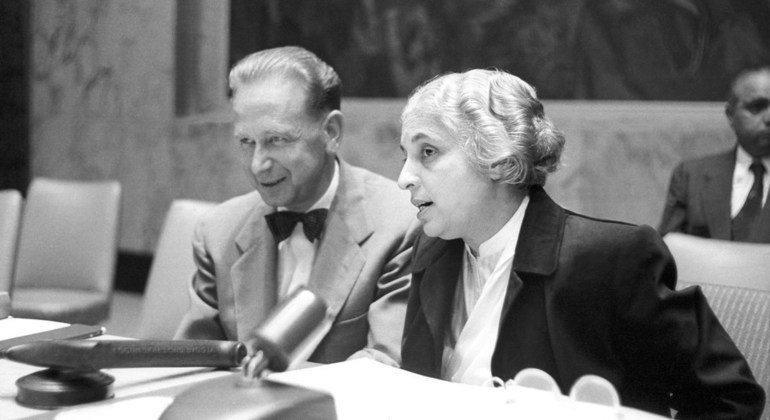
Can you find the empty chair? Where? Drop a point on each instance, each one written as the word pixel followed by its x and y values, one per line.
pixel 165 297
pixel 10 217
pixel 67 250
pixel 735 278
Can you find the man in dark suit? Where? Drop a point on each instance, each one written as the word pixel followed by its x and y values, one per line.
pixel 724 196
pixel 250 253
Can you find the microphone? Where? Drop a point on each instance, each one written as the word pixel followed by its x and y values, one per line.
pixel 100 354
pixel 279 337
pixel 73 375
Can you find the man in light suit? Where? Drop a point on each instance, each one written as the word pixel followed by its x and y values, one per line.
pixel 724 196
pixel 314 221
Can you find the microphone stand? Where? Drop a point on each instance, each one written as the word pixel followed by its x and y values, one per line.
pixel 245 395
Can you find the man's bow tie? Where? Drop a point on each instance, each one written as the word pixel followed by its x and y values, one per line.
pixel 282 223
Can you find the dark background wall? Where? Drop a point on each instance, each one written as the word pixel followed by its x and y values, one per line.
pixel 14 94
pixel 568 49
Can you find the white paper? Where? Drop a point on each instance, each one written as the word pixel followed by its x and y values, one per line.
pixel 363 388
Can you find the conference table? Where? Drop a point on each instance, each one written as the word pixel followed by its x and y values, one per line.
pixel 360 388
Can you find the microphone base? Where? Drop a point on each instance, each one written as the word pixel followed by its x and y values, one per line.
pixel 53 388
pixel 232 398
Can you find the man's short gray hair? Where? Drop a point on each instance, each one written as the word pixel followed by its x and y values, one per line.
pixel 321 82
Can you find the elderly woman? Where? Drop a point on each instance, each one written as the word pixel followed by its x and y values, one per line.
pixel 505 279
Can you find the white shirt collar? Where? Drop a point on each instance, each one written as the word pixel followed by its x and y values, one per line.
pixel 296 253
pixel 743 160
pixel 493 247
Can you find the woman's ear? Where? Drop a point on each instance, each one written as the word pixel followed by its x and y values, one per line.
pixel 333 129
pixel 498 170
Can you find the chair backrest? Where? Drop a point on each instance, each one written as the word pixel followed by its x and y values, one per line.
pixel 719 262
pixel 166 295
pixel 69 235
pixel 735 278
pixel 10 218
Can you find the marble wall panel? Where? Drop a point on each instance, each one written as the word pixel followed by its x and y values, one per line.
pixel 102 75
pixel 619 155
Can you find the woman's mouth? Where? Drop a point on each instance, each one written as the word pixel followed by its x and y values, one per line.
pixel 422 205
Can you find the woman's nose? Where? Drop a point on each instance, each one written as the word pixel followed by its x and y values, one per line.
pixel 407 178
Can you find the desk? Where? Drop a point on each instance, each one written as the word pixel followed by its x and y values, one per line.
pixel 361 388
pixel 128 382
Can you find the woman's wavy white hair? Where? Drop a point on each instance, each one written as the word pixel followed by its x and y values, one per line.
pixel 496 119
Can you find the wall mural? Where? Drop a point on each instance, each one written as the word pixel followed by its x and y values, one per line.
pixel 568 49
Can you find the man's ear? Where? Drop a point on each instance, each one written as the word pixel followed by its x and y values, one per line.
pixel 333 130
pixel 730 113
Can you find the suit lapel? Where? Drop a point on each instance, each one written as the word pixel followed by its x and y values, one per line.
pixel 254 273
pixel 523 335
pixel 339 260
pixel 715 195
pixel 438 269
pixel 435 275
pixel 537 250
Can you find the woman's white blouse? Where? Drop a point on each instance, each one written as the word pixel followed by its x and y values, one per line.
pixel 478 304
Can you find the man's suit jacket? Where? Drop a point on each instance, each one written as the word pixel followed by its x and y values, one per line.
pixel 699 196
pixel 590 297
pixel 361 269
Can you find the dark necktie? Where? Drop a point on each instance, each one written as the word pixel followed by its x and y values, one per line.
pixel 744 222
pixel 282 223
